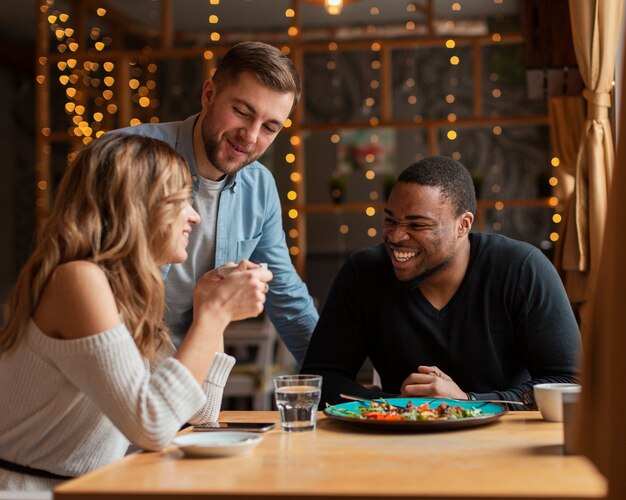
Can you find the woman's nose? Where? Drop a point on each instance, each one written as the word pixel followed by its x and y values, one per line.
pixel 192 215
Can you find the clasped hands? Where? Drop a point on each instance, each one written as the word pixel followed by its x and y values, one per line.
pixel 430 381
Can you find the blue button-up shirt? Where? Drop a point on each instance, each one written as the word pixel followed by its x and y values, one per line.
pixel 249 226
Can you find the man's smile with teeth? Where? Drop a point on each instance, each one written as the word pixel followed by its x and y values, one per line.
pixel 403 256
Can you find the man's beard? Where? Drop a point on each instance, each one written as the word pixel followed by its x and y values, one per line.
pixel 211 148
pixel 414 283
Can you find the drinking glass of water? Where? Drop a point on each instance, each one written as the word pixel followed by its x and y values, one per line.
pixel 297 397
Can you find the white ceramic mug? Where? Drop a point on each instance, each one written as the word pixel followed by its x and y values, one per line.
pixel 549 398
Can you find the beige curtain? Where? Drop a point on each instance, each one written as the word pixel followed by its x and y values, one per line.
pixel 601 415
pixel 567 120
pixel 595 31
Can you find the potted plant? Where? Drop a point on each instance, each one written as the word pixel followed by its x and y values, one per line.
pixel 337 187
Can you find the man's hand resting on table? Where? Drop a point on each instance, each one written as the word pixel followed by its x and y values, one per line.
pixel 430 381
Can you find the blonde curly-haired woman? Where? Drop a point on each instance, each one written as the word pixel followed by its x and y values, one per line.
pixel 86 363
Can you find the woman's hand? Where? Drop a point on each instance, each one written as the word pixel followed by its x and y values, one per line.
pixel 217 301
pixel 236 291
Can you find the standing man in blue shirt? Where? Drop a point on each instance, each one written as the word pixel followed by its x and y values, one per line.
pixel 252 93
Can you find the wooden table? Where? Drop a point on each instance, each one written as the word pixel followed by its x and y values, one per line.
pixel 518 457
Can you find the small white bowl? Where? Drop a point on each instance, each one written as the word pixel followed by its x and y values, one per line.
pixel 217 444
pixel 549 398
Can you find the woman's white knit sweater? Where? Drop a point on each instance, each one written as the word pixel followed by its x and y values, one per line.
pixel 71 406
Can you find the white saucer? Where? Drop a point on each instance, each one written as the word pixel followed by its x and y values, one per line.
pixel 217 444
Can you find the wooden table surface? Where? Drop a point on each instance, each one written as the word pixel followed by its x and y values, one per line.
pixel 518 457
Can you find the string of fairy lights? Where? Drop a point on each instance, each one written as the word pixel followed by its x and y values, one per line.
pixel 93 90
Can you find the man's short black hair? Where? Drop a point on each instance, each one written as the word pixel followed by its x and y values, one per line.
pixel 449 175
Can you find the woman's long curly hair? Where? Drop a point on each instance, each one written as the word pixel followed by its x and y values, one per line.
pixel 114 207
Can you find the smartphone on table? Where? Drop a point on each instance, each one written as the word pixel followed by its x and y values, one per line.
pixel 235 426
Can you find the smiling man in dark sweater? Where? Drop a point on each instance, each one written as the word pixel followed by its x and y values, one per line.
pixel 441 311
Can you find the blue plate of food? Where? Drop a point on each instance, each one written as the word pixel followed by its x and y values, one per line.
pixel 417 413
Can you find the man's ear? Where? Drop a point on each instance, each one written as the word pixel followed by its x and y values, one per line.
pixel 465 223
pixel 208 92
